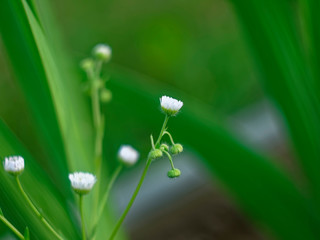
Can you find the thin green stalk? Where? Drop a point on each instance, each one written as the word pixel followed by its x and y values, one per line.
pixel 171 139
pixel 162 130
pixel 170 159
pixel 11 227
pixel 124 214
pixel 105 199
pixel 42 219
pixel 98 120
pixel 134 195
pixel 82 217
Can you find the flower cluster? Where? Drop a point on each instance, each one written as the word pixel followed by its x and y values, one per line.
pixel 170 107
pixel 83 182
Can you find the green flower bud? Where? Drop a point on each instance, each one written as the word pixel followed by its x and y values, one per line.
pixel 164 147
pixel 98 84
pixel 105 95
pixel 173 173
pixel 156 153
pixel 176 148
pixel 87 64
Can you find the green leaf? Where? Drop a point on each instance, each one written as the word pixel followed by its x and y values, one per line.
pixel 24 56
pixel 288 77
pixel 40 189
pixel 27 234
pixel 1 213
pixel 60 111
pixel 262 189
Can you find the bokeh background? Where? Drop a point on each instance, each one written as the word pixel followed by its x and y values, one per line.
pixel 199 52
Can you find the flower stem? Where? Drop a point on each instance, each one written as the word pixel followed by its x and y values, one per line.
pixel 162 131
pixel 135 193
pixel 98 122
pixel 171 139
pixel 124 214
pixel 35 210
pixel 105 199
pixel 170 159
pixel 12 228
pixel 82 218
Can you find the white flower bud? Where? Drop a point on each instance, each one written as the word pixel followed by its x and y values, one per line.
pixel 102 52
pixel 14 165
pixel 170 105
pixel 82 182
pixel 128 155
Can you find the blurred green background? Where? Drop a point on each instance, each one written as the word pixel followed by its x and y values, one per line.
pixel 247 72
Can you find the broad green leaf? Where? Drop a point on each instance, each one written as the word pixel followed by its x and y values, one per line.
pixel 1 213
pixel 66 95
pixel 263 189
pixel 41 190
pixel 288 77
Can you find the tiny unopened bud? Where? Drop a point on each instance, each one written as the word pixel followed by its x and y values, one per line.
pixel 176 148
pixel 128 155
pixel 105 95
pixel 102 52
pixel 82 182
pixel 156 153
pixel 173 173
pixel 14 165
pixel 87 64
pixel 98 84
pixel 164 147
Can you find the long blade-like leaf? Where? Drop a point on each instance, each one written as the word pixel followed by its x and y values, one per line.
pixel 287 77
pixel 41 190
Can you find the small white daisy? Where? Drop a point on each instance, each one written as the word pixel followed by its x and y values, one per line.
pixel 170 105
pixel 102 52
pixel 82 182
pixel 128 155
pixel 14 165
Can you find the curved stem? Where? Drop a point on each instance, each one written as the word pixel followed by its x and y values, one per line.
pixel 82 218
pixel 11 227
pixel 105 199
pixel 171 139
pixel 170 159
pixel 124 214
pixel 35 210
